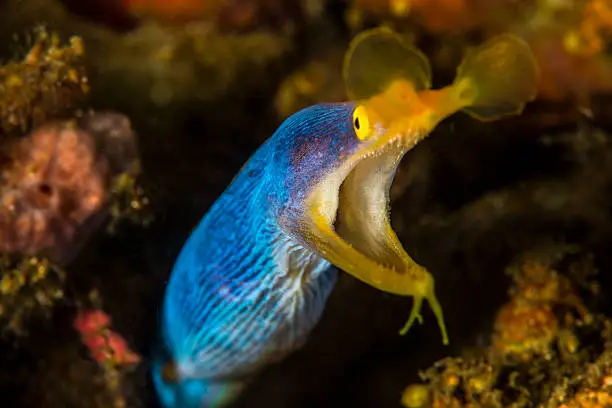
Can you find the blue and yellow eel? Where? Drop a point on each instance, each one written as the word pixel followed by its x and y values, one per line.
pixel 253 278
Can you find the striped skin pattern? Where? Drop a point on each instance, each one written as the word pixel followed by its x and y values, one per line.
pixel 245 290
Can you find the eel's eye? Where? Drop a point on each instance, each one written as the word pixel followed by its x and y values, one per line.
pixel 361 123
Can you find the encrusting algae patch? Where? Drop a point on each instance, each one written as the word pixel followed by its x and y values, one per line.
pixel 546 350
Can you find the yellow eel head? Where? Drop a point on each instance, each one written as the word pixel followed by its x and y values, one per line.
pixel 345 211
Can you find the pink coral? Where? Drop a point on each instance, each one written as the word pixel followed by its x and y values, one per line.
pixel 53 185
pixel 108 345
pixel 104 344
pixel 91 321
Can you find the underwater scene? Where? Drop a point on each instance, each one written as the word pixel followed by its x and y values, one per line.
pixel 305 203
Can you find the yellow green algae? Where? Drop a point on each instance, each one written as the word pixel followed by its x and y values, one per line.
pixel 547 349
pixel 29 288
pixel 46 82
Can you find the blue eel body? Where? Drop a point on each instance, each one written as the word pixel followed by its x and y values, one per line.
pixel 245 290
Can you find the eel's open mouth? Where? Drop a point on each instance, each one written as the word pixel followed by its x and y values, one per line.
pixel 363 212
pixel 350 216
